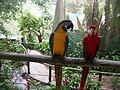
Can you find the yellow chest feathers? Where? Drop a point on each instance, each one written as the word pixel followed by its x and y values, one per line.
pixel 59 43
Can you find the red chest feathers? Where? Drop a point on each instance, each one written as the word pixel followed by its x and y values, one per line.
pixel 91 44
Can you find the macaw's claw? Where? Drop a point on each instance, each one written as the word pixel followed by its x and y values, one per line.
pixel 56 59
pixel 89 61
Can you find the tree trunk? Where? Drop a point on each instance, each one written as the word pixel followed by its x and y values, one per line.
pixel 39 36
pixel 111 28
pixel 107 23
pixel 0 71
pixel 59 13
pixel 89 12
pixel 114 31
pixel 104 28
pixel 95 13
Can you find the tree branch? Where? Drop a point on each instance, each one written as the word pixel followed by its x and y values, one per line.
pixel 66 60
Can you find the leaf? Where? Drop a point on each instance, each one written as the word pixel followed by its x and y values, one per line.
pixel 1 84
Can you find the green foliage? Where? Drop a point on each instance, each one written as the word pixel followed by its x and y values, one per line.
pixel 9 45
pixel 80 27
pixel 76 52
pixel 88 13
pixel 3 30
pixel 47 88
pixel 4 44
pixel 72 6
pixel 75 47
pixel 114 28
pixel 44 48
pixel 74 80
pixel 72 77
pixel 41 3
pixel 30 28
pixel 5 83
pixel 46 18
pixel 5 78
pixel 29 23
pixel 4 74
pixel 113 55
pixel 92 84
pixel 16 48
pixel 8 10
pixel 110 55
pixel 110 26
pixel 115 83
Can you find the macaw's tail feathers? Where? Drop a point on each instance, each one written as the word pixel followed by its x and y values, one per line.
pixel 58 76
pixel 82 88
pixel 85 72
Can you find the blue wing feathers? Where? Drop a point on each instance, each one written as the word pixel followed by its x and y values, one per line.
pixel 51 42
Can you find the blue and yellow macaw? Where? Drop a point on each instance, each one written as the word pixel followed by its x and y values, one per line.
pixel 58 45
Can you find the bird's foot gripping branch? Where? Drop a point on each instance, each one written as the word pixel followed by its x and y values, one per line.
pixel 88 61
pixel 57 59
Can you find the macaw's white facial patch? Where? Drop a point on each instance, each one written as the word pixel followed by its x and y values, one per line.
pixel 92 32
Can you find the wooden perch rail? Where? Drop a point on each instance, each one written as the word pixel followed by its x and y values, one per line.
pixel 66 60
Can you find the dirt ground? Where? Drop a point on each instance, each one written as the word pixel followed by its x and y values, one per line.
pixel 106 82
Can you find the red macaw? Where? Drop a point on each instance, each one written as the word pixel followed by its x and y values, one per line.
pixel 90 44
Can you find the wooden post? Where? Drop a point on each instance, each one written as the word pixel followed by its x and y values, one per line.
pixel 50 71
pixel 0 65
pixel 28 65
pixel 0 73
pixel 100 77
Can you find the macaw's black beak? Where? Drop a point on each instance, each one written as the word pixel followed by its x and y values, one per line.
pixel 92 32
pixel 70 26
